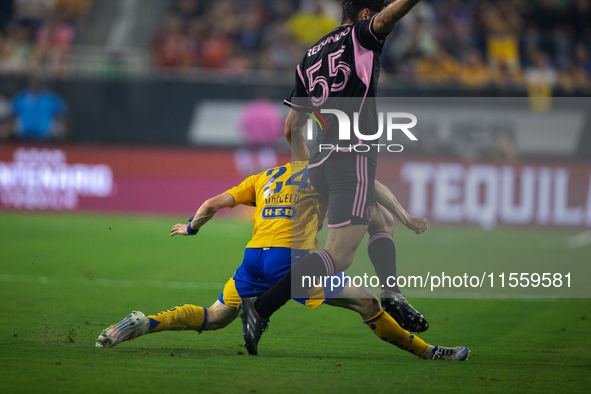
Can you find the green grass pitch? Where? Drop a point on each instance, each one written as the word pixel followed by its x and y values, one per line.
pixel 64 278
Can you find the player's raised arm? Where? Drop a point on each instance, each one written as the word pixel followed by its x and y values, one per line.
pixel 387 19
pixel 294 134
pixel 205 213
pixel 386 198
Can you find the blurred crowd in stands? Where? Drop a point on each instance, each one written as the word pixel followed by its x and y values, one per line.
pixel 38 34
pixel 543 46
pixel 507 45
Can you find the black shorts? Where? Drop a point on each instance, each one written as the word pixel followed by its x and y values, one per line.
pixel 347 181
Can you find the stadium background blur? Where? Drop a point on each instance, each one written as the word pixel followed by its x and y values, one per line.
pixel 476 46
pixel 173 101
pixel 211 75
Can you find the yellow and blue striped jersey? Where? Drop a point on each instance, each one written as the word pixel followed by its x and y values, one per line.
pixel 289 212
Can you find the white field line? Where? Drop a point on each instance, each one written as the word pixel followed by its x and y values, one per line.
pixel 410 293
pixel 580 240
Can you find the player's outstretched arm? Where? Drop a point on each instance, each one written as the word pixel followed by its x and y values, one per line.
pixel 386 198
pixel 294 134
pixel 205 213
pixel 387 19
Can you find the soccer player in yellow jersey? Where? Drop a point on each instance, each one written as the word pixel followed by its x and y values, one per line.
pixel 289 214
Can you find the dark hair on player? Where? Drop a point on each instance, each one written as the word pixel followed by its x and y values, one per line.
pixel 352 8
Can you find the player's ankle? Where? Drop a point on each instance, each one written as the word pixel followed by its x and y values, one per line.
pixel 391 293
pixel 429 353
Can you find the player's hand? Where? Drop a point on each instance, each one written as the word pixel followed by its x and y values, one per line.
pixel 180 229
pixel 418 225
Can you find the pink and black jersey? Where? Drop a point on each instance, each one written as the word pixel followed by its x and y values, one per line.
pixel 340 72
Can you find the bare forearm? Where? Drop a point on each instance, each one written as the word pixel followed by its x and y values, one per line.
pixel 294 133
pixel 299 147
pixel 209 208
pixel 386 20
pixel 386 198
pixel 205 213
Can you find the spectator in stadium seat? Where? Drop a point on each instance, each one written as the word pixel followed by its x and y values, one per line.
pixel 281 53
pixel 440 68
pixel 73 10
pixel 502 38
pixel 188 10
pixel 307 26
pixel 32 12
pixel 454 26
pixel 540 77
pixel 54 40
pixel 250 34
pixel 16 49
pixel 583 58
pixel 216 49
pixel 414 39
pixel 474 73
pixel 38 114
pixel 172 48
pixel 507 79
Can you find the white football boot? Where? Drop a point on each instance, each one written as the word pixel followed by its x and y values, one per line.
pixel 458 353
pixel 134 325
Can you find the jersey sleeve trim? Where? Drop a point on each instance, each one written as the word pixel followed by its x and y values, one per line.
pixel 234 194
pixel 245 193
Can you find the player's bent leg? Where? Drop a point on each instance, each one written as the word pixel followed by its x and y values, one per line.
pixel 342 243
pixel 382 253
pixel 357 299
pixel 386 328
pixel 180 318
pixel 381 324
pixel 219 316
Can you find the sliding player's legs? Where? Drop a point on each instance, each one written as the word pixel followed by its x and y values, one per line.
pixel 347 181
pixel 180 318
pixel 385 327
pixel 259 270
pixel 382 253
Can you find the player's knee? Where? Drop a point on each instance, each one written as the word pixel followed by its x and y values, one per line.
pixel 343 259
pixel 219 316
pixel 370 307
pixel 382 222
